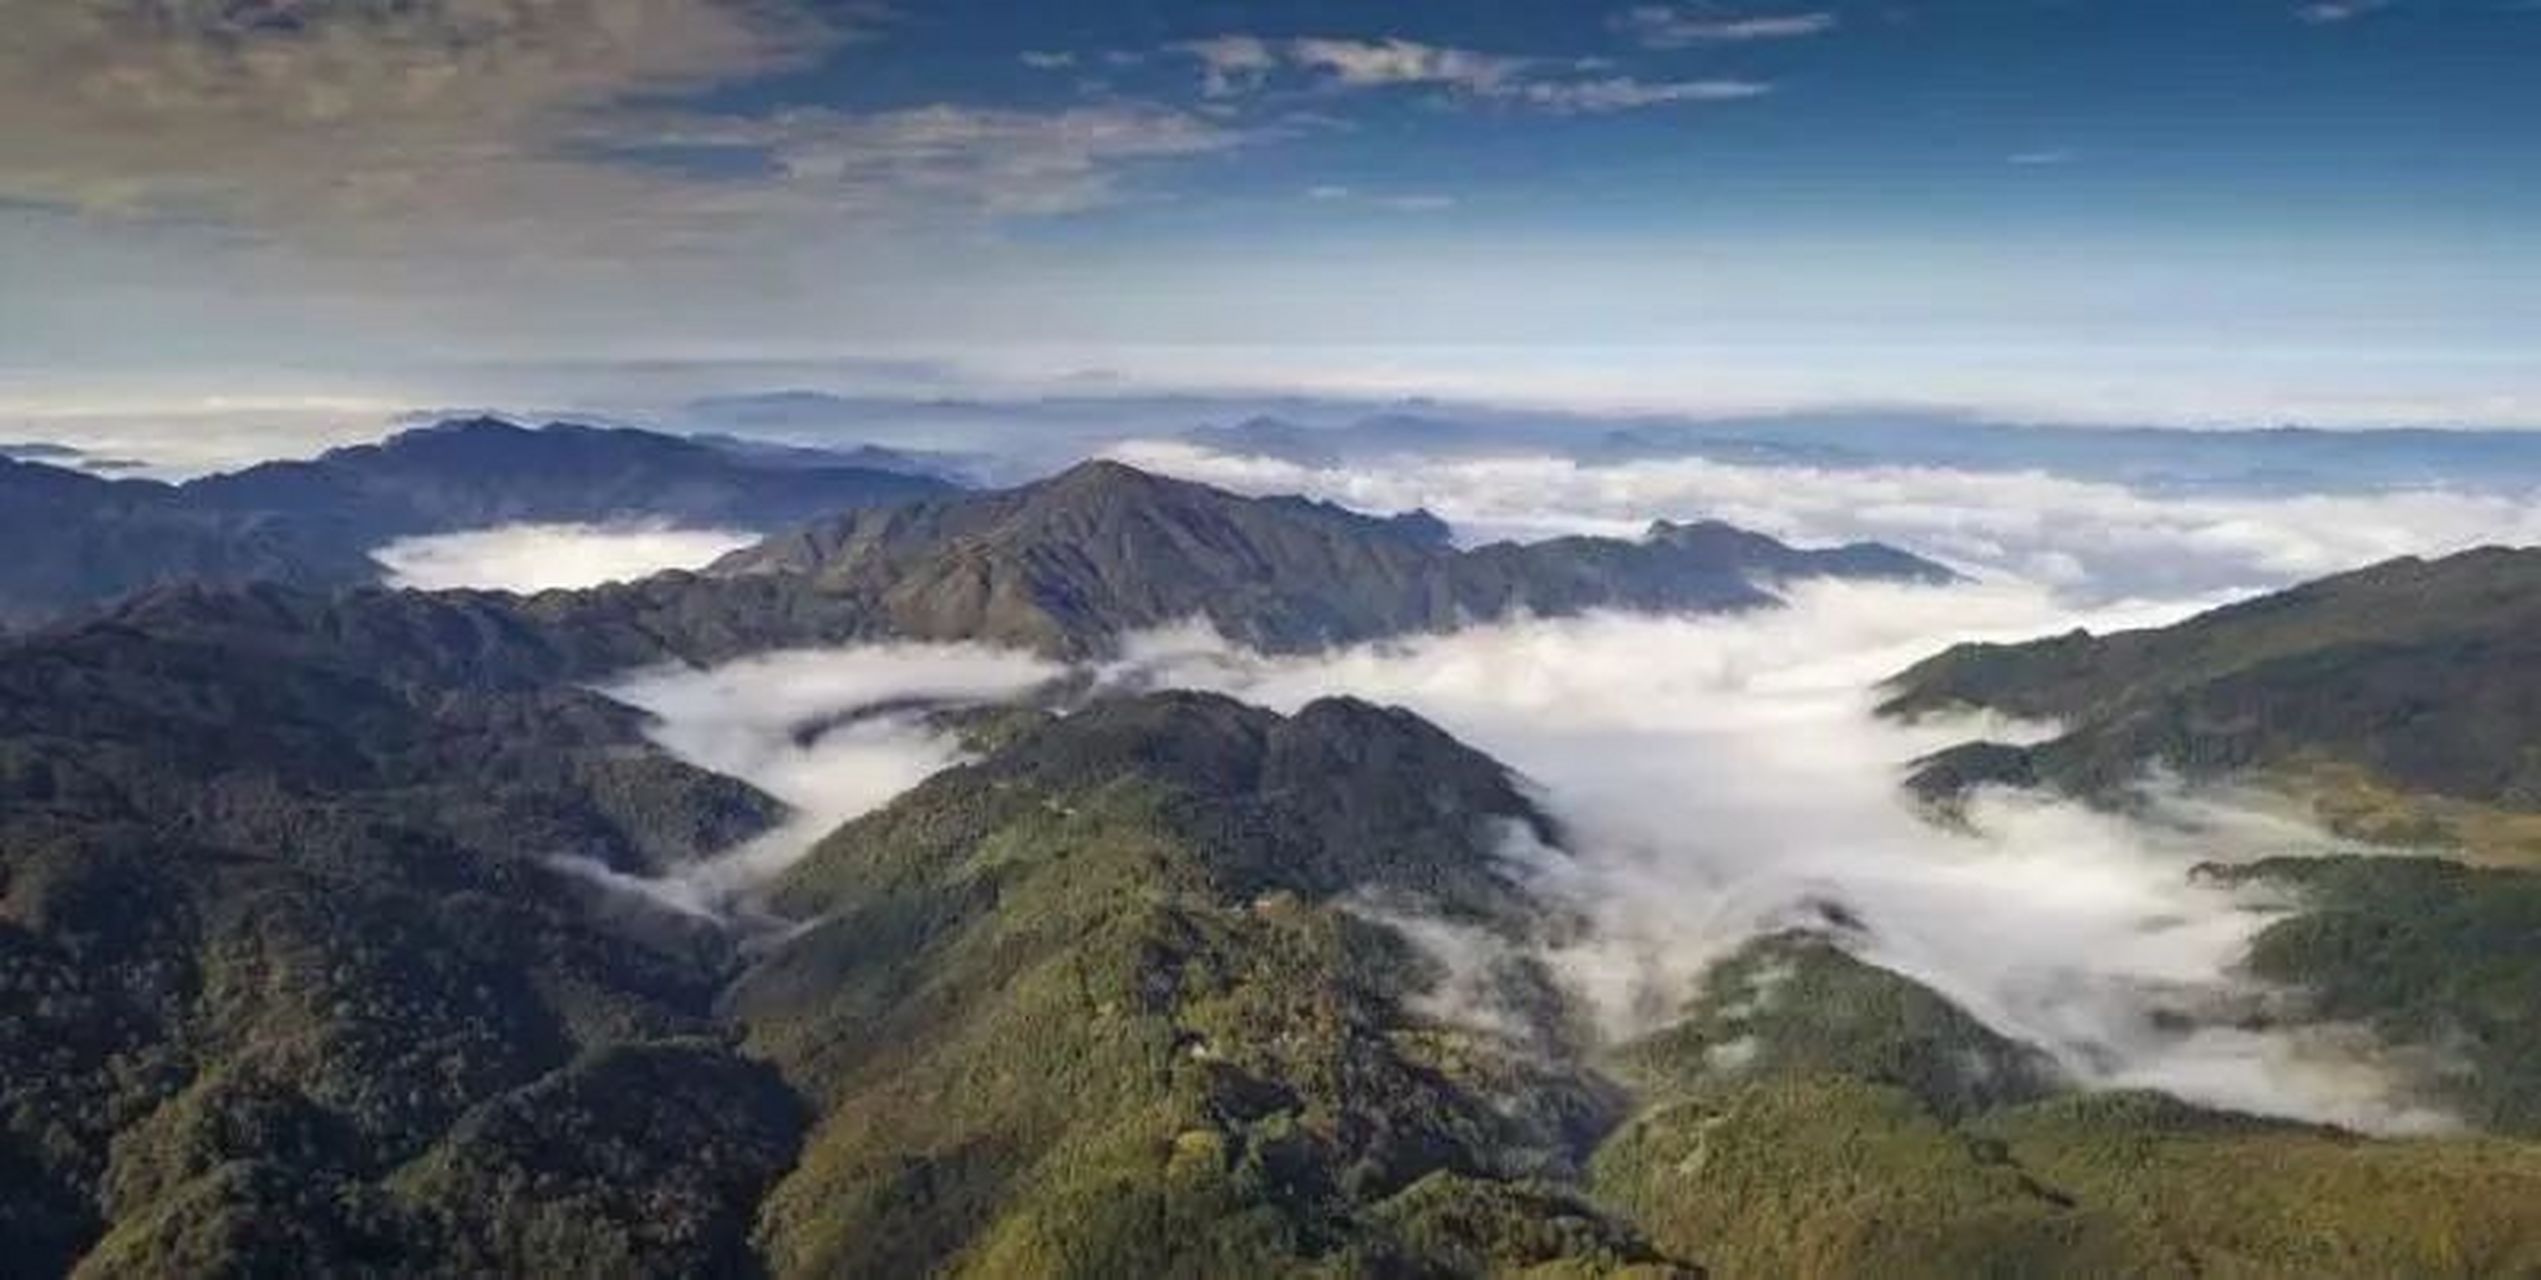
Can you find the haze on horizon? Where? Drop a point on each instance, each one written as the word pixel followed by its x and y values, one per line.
pixel 229 213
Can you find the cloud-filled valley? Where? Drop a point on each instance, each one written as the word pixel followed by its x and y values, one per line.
pixel 833 734
pixel 1661 638
pixel 541 557
pixel 1722 778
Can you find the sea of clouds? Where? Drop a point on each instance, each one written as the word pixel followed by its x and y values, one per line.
pixel 1721 778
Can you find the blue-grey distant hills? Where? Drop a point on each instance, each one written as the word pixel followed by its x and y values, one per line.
pixel 2278 459
pixel 1012 438
pixel 79 539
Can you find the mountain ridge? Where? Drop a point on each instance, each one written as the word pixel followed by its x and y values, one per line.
pixel 313 523
pixel 1104 549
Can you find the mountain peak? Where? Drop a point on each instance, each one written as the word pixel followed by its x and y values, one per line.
pixel 1098 475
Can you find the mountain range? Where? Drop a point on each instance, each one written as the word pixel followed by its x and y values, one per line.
pixel 1010 438
pixel 297 984
pixel 297 980
pixel 1070 564
pixel 2270 460
pixel 84 540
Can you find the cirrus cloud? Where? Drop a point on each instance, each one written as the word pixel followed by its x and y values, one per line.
pixel 1231 65
pixel 1663 26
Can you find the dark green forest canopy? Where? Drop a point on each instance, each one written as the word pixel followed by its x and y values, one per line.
pixel 291 985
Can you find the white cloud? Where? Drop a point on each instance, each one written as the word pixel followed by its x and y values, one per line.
pixel 1722 778
pixel 1371 63
pixel 2331 12
pixel 829 732
pixel 1623 93
pixel 542 557
pixel 1398 202
pixel 1231 64
pixel 1002 161
pixel 2086 537
pixel 1673 27
pixel 1238 64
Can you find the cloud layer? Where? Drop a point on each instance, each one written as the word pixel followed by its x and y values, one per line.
pixel 1235 65
pixel 435 130
pixel 1662 26
pixel 1722 778
pixel 542 557
pixel 328 103
pixel 832 733
pixel 1717 779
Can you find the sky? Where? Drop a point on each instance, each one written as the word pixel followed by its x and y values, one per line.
pixel 2194 211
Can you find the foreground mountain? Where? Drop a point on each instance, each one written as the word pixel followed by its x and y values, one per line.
pixel 286 984
pixel 1102 1005
pixel 295 979
pixel 1070 564
pixel 84 540
pixel 294 986
pixel 1813 1115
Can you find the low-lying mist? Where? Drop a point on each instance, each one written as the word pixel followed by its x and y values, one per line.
pixel 832 733
pixel 1719 779
pixel 1723 778
pixel 542 557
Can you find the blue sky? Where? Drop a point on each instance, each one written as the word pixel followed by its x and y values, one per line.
pixel 2202 210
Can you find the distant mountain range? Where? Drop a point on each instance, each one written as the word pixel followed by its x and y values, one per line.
pixel 81 540
pixel 2285 459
